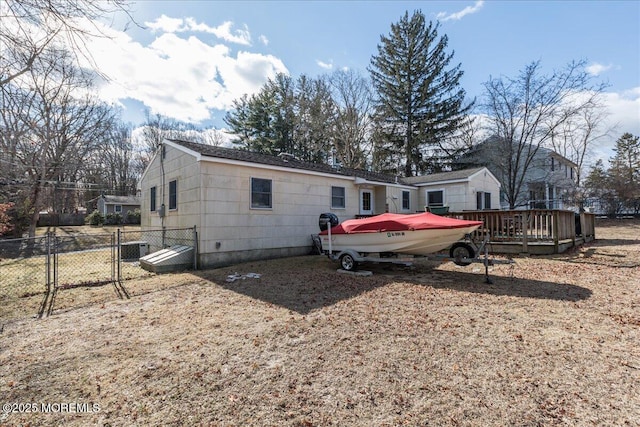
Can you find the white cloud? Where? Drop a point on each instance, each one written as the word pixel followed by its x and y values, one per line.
pixel 166 24
pixel 595 69
pixel 264 40
pixel 223 31
pixel 624 116
pixel 625 111
pixel 180 77
pixel 456 16
pixel 325 65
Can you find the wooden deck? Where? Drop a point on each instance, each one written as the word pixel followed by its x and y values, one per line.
pixel 538 231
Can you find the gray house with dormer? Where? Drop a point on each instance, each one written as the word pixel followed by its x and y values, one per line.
pixel 546 181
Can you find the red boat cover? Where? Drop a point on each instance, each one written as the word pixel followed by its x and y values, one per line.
pixel 399 222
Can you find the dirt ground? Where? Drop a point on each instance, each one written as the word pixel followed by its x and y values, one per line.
pixel 555 340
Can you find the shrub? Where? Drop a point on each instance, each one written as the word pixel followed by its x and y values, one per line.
pixel 113 219
pixel 95 218
pixel 6 222
pixel 134 217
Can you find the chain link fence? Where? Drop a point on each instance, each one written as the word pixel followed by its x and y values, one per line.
pixel 44 274
pixel 25 275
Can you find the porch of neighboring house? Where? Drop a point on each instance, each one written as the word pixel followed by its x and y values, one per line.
pixel 535 232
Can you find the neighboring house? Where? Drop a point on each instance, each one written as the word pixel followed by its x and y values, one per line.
pixel 548 183
pixel 118 204
pixel 249 206
pixel 463 190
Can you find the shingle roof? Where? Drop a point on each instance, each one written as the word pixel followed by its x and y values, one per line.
pixel 282 161
pixel 443 176
pixel 121 200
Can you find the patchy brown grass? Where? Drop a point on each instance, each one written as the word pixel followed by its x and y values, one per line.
pixel 74 230
pixel 553 341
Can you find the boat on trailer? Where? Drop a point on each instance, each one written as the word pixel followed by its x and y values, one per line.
pixel 390 235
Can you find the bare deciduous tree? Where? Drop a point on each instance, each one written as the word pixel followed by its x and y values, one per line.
pixel 29 27
pixel 527 111
pixel 57 128
pixel 352 94
pixel 575 137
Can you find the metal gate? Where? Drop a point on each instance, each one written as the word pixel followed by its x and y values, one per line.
pixel 33 271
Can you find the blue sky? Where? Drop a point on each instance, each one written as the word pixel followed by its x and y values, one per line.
pixel 192 58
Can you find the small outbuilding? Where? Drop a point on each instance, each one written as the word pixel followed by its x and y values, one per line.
pixel 118 205
pixel 457 191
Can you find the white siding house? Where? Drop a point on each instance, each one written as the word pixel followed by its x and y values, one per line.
pixel 249 206
pixel 464 190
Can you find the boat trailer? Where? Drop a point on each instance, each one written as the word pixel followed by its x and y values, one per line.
pixel 463 253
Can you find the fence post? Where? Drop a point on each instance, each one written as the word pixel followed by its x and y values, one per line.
pixel 525 232
pixel 54 293
pixel 55 263
pixel 195 248
pixel 49 260
pixel 556 231
pixel 118 249
pixel 47 291
pixel 113 259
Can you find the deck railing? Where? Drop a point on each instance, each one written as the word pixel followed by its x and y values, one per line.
pixel 529 226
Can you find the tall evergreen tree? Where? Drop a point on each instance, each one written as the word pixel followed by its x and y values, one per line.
pixel 419 99
pixel 618 187
pixel 624 171
pixel 286 116
pixel 598 187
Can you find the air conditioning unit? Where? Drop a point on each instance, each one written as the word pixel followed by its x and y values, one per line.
pixel 133 250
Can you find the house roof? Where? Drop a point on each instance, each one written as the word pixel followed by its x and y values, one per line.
pixel 460 175
pixel 496 141
pixel 288 161
pixel 285 161
pixel 121 200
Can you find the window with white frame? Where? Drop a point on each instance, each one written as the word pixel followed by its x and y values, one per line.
pixel 117 208
pixel 483 200
pixel 338 197
pixel 261 193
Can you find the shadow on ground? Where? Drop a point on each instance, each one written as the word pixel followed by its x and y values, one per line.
pixel 313 283
pixel 599 252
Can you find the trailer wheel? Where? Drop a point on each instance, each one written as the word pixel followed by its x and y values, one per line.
pixel 347 262
pixel 459 251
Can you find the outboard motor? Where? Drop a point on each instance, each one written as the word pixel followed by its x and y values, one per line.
pixel 327 220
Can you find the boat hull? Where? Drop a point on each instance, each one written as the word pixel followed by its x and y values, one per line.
pixel 409 242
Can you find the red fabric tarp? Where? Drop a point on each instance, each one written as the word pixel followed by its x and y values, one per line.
pixel 399 222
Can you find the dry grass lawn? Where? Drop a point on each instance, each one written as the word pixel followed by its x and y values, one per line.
pixel 554 341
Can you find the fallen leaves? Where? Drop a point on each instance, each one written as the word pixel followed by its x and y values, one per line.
pixel 556 343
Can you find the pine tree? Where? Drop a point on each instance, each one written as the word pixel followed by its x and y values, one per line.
pixel 598 187
pixel 420 102
pixel 624 171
